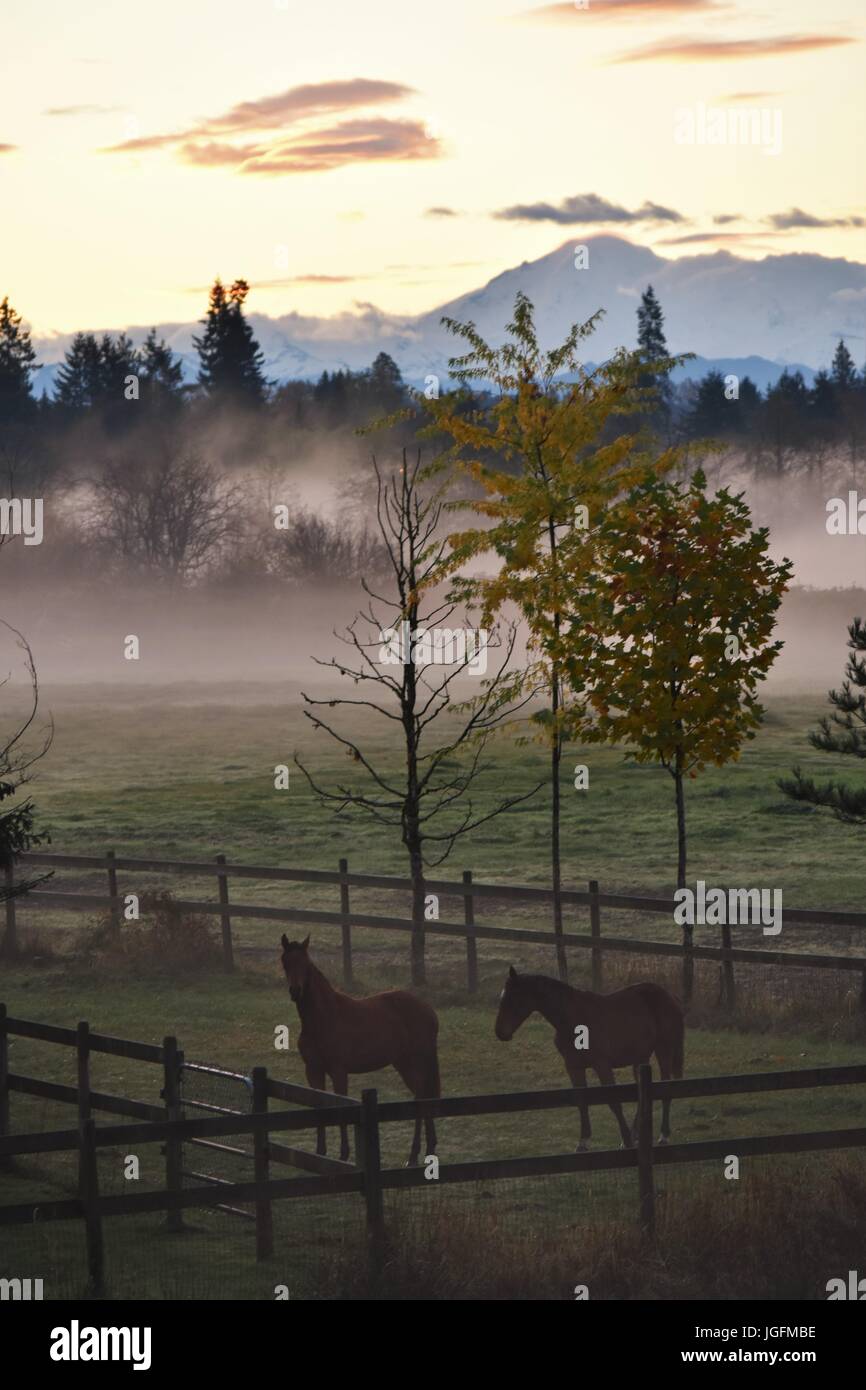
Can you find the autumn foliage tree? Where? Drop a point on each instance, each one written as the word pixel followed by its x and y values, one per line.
pixel 547 459
pixel 685 599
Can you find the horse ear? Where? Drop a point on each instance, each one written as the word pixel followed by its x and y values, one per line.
pixel 285 940
pixel 305 943
pixel 512 973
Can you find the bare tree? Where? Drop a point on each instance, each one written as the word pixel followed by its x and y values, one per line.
pixel 400 659
pixel 327 552
pixel 17 825
pixel 169 517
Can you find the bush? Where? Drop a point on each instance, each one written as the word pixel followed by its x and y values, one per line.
pixel 164 938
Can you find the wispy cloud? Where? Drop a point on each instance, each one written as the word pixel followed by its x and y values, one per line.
pixel 441 212
pixel 695 238
pixel 585 208
pixel 7 149
pixel 292 136
pixel 620 9
pixel 796 217
pixel 713 50
pixel 82 110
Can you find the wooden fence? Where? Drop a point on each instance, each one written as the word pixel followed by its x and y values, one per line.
pixel 366 1177
pixel 469 929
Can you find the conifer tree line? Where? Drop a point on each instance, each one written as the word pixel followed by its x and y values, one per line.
pixel 789 426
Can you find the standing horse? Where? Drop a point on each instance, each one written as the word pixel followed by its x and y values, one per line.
pixel 622 1029
pixel 341 1036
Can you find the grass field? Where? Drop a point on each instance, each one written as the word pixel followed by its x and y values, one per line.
pixel 188 773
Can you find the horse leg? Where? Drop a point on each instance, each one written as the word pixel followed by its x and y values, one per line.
pixel 316 1079
pixel 434 1091
pixel 340 1082
pixel 634 1127
pixel 664 1062
pixel 607 1078
pixel 411 1078
pixel 577 1075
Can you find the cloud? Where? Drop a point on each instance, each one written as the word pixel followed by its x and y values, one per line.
pixel 708 50
pixel 293 136
pixel 724 218
pixel 585 208
pixel 82 110
pixel 620 9
pixel 7 149
pixel 695 237
pixel 751 96
pixel 796 217
pixel 441 212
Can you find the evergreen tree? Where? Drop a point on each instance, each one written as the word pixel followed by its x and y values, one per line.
pixel 653 348
pixel 843 371
pixel 230 358
pixel 844 732
pixel 78 382
pixel 17 361
pixel 161 373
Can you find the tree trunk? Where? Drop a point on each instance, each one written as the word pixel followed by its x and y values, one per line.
pixel 419 975
pixel 556 860
pixel 688 930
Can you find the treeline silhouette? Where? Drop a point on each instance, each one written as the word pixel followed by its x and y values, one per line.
pixel 177 479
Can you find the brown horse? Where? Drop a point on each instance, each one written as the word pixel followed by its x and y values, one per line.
pixel 621 1029
pixel 341 1036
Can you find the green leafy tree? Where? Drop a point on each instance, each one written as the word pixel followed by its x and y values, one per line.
pixel 548 456
pixel 17 363
pixel 18 829
pixel 230 358
pixel 844 732
pixel 685 603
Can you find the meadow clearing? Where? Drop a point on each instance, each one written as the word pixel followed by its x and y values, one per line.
pixel 186 773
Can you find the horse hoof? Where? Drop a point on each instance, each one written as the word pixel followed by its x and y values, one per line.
pixel 411 1163
pixel 662 1139
pixel 582 1148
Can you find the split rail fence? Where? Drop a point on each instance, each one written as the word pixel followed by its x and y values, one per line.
pixel 469 929
pixel 366 1176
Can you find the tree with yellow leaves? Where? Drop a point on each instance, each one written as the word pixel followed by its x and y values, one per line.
pixel 685 599
pixel 548 456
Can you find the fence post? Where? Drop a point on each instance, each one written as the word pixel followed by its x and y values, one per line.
pixel 261 1161
pixel 4 1081
pixel 863 992
pixel 225 917
pixel 595 932
pixel 729 988
pixel 88 1185
pixel 114 909
pixel 345 925
pixel 172 1065
pixel 9 945
pixel 646 1187
pixel 372 1169
pixel 83 1053
pixel 471 939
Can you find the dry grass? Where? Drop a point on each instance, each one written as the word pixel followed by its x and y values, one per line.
pixel 767 1236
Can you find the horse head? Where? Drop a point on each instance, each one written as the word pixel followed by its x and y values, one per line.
pixel 515 1005
pixel 296 964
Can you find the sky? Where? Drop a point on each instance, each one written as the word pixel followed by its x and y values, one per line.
pixel 344 154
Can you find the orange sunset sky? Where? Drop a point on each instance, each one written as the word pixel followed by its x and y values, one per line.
pixel 344 153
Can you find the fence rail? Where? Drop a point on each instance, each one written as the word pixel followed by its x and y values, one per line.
pixel 369 1178
pixel 469 930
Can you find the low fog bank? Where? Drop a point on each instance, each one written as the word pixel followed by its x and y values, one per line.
pixel 273 640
